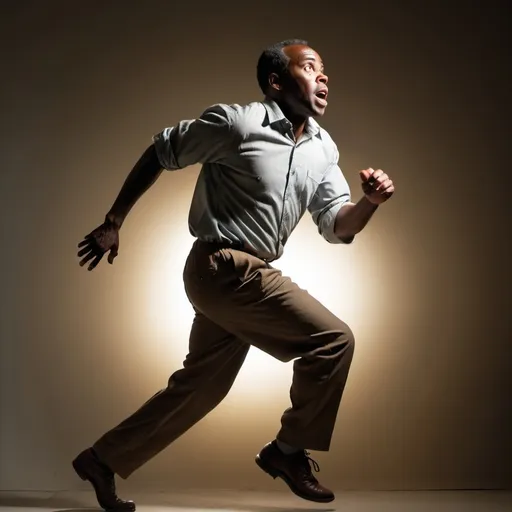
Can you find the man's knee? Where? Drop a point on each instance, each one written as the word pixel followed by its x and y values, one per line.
pixel 348 337
pixel 342 351
pixel 333 346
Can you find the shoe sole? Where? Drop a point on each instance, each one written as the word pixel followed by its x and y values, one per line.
pixel 274 473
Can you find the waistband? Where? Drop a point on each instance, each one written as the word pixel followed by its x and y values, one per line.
pixel 229 244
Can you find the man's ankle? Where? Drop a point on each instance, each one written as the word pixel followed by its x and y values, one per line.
pixel 287 449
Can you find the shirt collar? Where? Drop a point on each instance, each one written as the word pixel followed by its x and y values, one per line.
pixel 276 117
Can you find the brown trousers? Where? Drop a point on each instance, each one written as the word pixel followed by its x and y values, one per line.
pixel 239 301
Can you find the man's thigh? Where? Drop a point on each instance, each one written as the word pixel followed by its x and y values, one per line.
pixel 255 302
pixel 209 344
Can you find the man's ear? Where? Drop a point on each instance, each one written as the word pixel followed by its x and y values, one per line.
pixel 275 82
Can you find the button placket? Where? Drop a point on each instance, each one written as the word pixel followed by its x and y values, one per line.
pixel 285 215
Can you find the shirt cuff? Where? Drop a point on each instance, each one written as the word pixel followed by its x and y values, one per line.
pixel 164 151
pixel 327 225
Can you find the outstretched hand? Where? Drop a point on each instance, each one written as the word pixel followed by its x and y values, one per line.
pixel 377 186
pixel 99 241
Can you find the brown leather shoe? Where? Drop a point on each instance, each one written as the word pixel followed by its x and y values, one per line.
pixel 295 470
pixel 89 467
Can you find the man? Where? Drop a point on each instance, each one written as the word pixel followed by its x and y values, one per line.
pixel 264 165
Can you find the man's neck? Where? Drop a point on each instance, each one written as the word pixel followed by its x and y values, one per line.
pixel 298 128
pixel 298 122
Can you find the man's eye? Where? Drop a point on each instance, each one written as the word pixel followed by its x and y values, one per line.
pixel 309 67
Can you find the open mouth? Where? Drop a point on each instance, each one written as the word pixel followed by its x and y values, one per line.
pixel 322 95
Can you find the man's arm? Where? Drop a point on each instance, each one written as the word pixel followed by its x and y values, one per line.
pixel 207 138
pixel 143 175
pixel 352 218
pixel 105 238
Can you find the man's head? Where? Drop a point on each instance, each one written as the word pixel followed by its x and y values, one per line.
pixel 292 73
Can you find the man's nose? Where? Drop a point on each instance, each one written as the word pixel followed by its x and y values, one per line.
pixel 322 78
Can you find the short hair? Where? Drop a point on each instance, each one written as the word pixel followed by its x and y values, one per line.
pixel 274 60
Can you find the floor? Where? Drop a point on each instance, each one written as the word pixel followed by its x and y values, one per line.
pixel 249 501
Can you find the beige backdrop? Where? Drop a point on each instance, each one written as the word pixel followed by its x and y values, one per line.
pixel 415 91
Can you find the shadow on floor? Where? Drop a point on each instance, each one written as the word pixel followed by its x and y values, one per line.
pixel 78 509
pixel 203 507
pixel 67 504
pixel 45 502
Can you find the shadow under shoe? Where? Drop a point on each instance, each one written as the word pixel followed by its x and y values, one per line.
pixel 89 467
pixel 295 470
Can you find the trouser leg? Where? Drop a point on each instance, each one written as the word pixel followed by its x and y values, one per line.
pixel 209 370
pixel 260 306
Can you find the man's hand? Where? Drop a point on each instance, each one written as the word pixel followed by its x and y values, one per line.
pixel 377 186
pixel 104 238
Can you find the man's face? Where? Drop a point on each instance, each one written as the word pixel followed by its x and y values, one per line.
pixel 305 89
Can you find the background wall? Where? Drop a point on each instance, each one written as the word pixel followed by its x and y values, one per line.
pixel 417 91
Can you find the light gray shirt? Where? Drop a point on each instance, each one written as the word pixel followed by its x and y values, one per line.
pixel 256 180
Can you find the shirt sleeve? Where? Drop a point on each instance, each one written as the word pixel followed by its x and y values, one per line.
pixel 205 139
pixel 332 193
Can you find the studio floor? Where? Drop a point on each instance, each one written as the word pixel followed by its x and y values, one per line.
pixel 251 501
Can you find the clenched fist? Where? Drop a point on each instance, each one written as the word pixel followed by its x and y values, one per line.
pixel 377 186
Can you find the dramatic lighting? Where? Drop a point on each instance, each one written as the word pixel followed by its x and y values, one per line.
pixel 169 316
pixel 335 275
pixel 351 281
